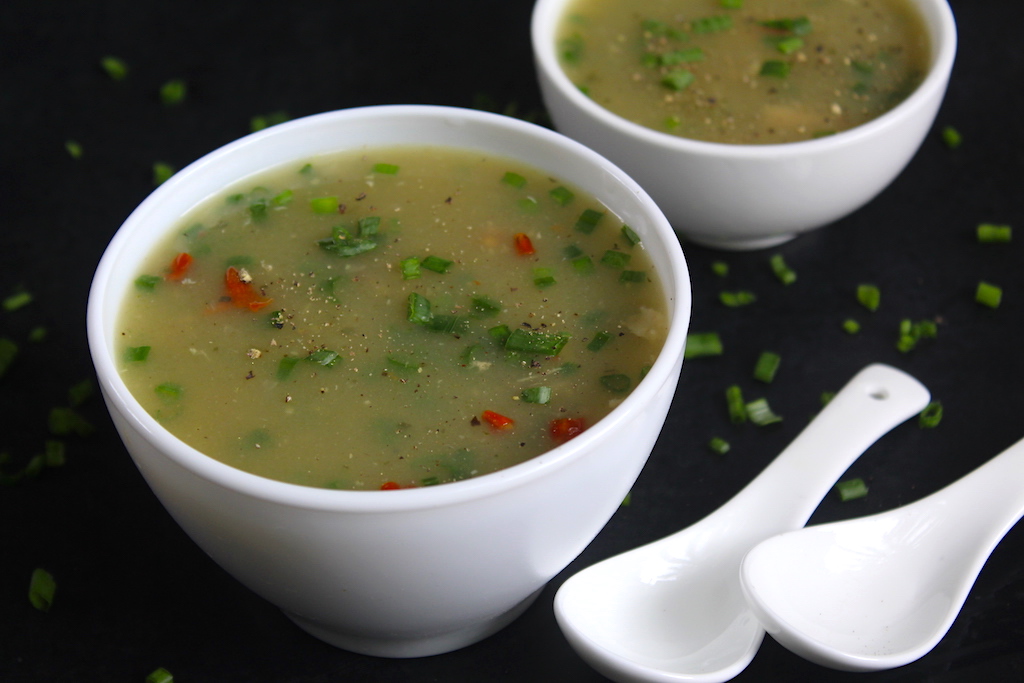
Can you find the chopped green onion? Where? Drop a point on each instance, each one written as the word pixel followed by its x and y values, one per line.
pixel 17 300
pixel 513 179
pixel 343 243
pixel 368 226
pixel 410 268
pixel 737 299
pixel 869 297
pixel 484 306
pixel 324 357
pixel 711 24
pixel 788 44
pixel 720 268
pixel 588 220
pixel 404 362
pixel 951 136
pixel 911 333
pixel 500 333
pixel 160 675
pixel 147 281
pixel 572 251
pixel 931 416
pixel 543 277
pixel 258 210
pixel 285 367
pixel 775 68
pixel 173 91
pixel 632 239
pixel 718 445
pixel 324 204
pixel 385 169
pixel 731 4
pixel 262 121
pixel 700 344
pixel 81 392
pixel 41 589
pixel 598 342
pixel 561 195
pixel 451 324
pixel 37 334
pixel 436 264
pixel 615 259
pixel 115 68
pixel 760 413
pixel 169 391
pixel 540 395
pixel 693 54
pixel 851 489
pixel 734 403
pixel 766 367
pixel 536 341
pixel 851 326
pixel 419 309
pixel 786 275
pixel 583 265
pixel 136 354
pixel 678 79
pixel 65 421
pixel 162 172
pixel 617 383
pixel 282 198
pixel 74 149
pixel 277 319
pixel 826 397
pixel 54 453
pixel 633 276
pixel 988 294
pixel 528 205
pixel 8 351
pixel 800 26
pixel 989 233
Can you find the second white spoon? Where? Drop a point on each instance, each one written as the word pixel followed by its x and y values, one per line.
pixel 879 592
pixel 673 610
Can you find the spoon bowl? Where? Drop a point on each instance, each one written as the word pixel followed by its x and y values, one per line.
pixel 881 591
pixel 673 610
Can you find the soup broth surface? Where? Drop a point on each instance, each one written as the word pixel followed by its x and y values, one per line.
pixel 749 71
pixel 391 318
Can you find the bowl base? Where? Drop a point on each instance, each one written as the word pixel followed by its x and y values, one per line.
pixel 425 646
pixel 738 244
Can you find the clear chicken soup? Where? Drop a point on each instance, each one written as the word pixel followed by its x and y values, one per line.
pixel 745 71
pixel 391 318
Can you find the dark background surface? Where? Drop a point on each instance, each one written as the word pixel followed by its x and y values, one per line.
pixel 135 593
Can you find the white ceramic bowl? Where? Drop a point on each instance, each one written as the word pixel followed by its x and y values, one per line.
pixel 411 572
pixel 750 196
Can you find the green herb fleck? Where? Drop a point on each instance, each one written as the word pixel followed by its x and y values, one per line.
pixel 869 296
pixel 760 413
pixel 851 489
pixel 17 300
pixel 539 395
pixel 990 233
pixel 116 68
pixel 74 149
pixel 700 344
pixel 784 273
pixel 951 137
pixel 162 172
pixel 718 445
pixel 561 195
pixel 737 298
pixel 766 367
pixel 735 405
pixel 173 91
pixel 931 416
pixel 775 68
pixel 385 169
pixel 988 294
pixel 41 589
pixel 617 383
pixel 513 179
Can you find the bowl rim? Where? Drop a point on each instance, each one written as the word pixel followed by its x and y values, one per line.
pixel 676 284
pixel 938 19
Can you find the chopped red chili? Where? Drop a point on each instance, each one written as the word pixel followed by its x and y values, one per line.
pixel 564 428
pixel 390 486
pixel 241 292
pixel 179 266
pixel 524 246
pixel 497 420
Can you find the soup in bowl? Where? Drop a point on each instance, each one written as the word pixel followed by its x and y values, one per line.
pixel 335 272
pixel 739 143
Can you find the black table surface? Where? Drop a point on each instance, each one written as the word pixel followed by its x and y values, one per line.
pixel 134 593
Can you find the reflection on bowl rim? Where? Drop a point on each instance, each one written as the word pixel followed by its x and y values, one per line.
pixel 101 343
pixel 936 14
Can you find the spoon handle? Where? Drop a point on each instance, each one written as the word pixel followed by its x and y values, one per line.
pixel 878 398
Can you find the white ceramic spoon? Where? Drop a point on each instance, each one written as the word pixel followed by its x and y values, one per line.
pixel 673 610
pixel 880 591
